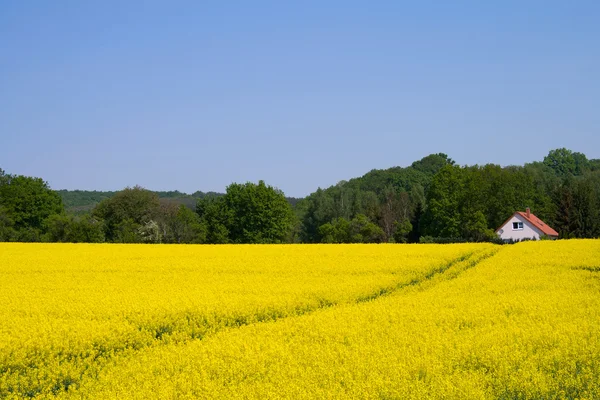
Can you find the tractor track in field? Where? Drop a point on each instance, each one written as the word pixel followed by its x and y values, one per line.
pixel 450 270
pixel 453 269
pixel 162 333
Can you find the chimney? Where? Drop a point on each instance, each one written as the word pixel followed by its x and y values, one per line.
pixel 528 211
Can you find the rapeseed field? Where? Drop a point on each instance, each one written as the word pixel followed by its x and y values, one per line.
pixel 300 321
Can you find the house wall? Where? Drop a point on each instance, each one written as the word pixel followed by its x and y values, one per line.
pixel 528 232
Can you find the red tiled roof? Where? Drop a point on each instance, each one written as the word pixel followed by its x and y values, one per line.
pixel 538 223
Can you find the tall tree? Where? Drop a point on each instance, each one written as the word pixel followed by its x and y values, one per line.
pixel 7 231
pixel 216 218
pixel 319 209
pixel 562 161
pixel 179 224
pixel 260 213
pixel 25 203
pixel 126 212
pixel 442 217
pixel 432 163
pixel 395 215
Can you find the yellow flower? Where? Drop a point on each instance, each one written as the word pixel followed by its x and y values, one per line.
pixel 300 321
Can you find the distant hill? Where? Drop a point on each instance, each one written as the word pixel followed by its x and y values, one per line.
pixel 79 202
pixel 83 201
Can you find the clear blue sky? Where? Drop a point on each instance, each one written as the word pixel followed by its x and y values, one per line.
pixel 196 95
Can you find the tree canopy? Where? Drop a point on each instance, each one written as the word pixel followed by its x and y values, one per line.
pixel 247 213
pixel 433 199
pixel 25 204
pixel 126 213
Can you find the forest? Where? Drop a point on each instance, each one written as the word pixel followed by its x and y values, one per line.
pixel 432 200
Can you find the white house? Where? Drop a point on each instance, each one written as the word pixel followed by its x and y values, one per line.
pixel 525 225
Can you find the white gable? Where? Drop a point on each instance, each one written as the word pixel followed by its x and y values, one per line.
pixel 523 230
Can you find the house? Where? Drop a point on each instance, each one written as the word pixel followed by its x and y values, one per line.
pixel 525 225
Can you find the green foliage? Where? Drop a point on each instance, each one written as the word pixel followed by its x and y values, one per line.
pixel 247 213
pixel 320 209
pixel 432 199
pixel 441 240
pixel 126 231
pixel 29 201
pixel 3 177
pixel 259 213
pixel 432 163
pixel 215 217
pixel 578 206
pixel 362 230
pixel 358 230
pixel 67 228
pixel 442 217
pixel 179 224
pixel 29 234
pixel 476 228
pixel 126 212
pixel 471 202
pixel 80 202
pixel 25 203
pixel 401 231
pixel 57 228
pixel 564 162
pixel 336 231
pixel 394 214
pixel 388 198
pixel 7 231
pixel 86 229
pixel 189 228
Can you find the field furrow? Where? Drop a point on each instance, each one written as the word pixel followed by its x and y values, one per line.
pixel 71 310
pixel 521 324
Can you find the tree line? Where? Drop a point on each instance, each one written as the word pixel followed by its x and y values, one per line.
pixel 432 200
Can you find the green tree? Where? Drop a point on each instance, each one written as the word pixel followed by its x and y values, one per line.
pixel 126 231
pixel 188 227
pixel 442 217
pixel 25 203
pixel 7 231
pixel 259 213
pixel 369 206
pixel 582 164
pixel 57 228
pixel 68 228
pixel 562 161
pixel 402 230
pixel 359 230
pixel 475 228
pixel 336 231
pixel 395 214
pixel 582 203
pixel 86 229
pixel 362 230
pixel 432 163
pixel 126 212
pixel 215 218
pixel 319 209
pixel 3 177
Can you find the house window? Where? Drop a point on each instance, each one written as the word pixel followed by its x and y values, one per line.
pixel 517 226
